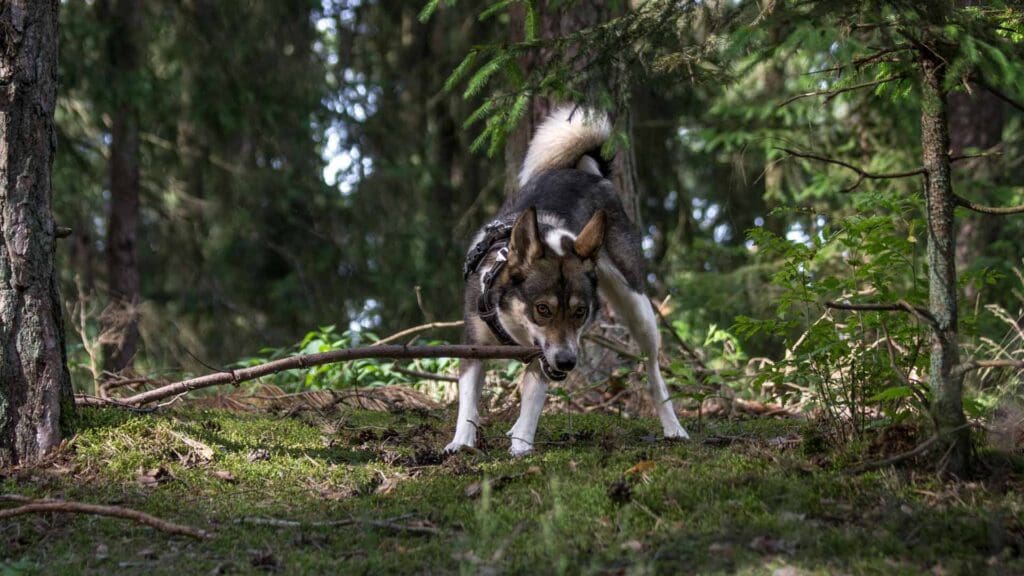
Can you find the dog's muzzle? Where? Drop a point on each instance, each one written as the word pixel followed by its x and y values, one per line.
pixel 550 371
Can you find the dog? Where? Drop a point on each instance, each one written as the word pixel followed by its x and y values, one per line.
pixel 536 274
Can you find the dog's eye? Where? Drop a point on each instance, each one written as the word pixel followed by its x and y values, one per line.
pixel 580 312
pixel 543 310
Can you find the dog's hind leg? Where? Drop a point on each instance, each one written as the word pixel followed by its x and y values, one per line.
pixel 535 388
pixel 635 309
pixel 471 380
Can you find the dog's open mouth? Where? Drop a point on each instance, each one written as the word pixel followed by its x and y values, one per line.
pixel 551 372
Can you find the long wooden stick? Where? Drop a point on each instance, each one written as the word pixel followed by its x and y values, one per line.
pixel 240 375
pixel 32 506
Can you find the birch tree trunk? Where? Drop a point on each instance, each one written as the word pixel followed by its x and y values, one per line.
pixel 35 387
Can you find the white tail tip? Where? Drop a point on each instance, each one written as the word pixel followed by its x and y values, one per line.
pixel 563 138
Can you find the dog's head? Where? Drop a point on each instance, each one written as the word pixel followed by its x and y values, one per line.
pixel 550 288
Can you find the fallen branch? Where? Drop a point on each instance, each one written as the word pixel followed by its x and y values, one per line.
pixel 383 524
pixel 886 462
pixel 997 210
pixel 301 361
pixel 33 506
pixel 917 451
pixel 425 375
pixel 100 401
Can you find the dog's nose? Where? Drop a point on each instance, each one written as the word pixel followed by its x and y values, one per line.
pixel 565 361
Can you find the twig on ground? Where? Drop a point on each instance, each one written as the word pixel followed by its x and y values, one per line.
pixel 892 460
pixel 99 401
pixel 885 462
pixel 425 375
pixel 34 506
pixel 417 330
pixel 240 375
pixel 382 524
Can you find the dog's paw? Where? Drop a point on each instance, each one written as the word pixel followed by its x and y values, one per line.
pixel 520 449
pixel 457 446
pixel 676 432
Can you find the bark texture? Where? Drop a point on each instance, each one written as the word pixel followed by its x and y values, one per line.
pixel 121 318
pixel 35 387
pixel 946 383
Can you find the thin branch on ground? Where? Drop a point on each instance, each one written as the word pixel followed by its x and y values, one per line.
pixel 381 524
pixel 892 460
pixel 997 210
pixel 900 306
pixel 34 506
pixel 301 361
pixel 971 365
pixel 418 329
pixel 830 94
pixel 425 375
pixel 886 462
pixel 107 402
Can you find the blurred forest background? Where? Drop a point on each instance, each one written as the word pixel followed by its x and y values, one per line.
pixel 243 176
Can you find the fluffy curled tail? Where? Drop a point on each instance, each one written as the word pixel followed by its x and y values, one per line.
pixel 570 137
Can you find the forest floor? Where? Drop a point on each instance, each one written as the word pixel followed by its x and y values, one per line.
pixel 601 495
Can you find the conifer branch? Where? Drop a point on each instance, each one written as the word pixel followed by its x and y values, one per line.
pixel 997 210
pixel 862 174
pixel 830 94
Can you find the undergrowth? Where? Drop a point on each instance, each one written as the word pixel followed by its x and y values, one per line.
pixel 601 495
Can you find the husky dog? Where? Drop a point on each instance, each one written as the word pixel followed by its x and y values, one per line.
pixel 534 275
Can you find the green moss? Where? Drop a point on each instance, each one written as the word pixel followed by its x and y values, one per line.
pixel 749 504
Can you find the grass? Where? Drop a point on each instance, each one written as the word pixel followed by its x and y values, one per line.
pixel 600 496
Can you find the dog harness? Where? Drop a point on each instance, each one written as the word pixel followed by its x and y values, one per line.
pixel 496 239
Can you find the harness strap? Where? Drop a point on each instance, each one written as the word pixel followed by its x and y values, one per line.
pixel 496 237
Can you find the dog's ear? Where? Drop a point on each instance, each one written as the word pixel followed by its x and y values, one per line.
pixel 526 245
pixel 588 243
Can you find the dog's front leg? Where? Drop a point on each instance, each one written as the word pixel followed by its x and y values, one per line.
pixel 535 388
pixel 471 380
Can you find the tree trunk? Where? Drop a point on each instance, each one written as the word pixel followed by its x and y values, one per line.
pixel 121 318
pixel 35 387
pixel 560 19
pixel 946 385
